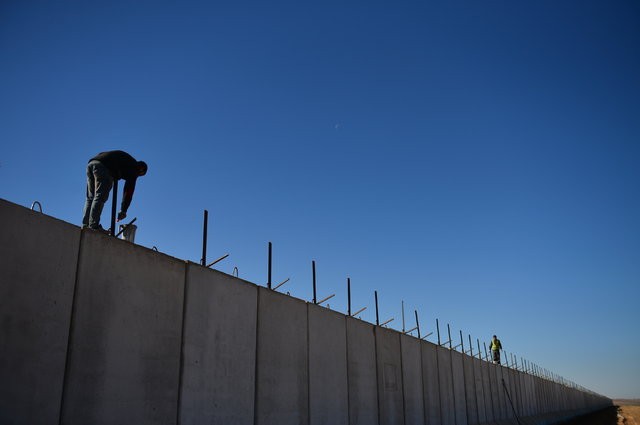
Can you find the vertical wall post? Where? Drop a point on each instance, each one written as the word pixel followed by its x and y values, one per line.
pixel 114 207
pixel 377 316
pixel 349 296
pixel 313 267
pixel 204 238
pixel 269 268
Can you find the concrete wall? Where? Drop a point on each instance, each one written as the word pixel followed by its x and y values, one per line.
pixel 219 349
pixel 362 373
pixel 97 330
pixel 38 260
pixel 124 348
pixel 431 383
pixel 412 380
pixel 328 376
pixel 282 391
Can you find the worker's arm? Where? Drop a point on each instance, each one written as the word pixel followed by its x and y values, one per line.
pixel 127 197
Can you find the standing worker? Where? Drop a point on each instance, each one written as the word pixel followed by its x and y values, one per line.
pixel 102 170
pixel 496 346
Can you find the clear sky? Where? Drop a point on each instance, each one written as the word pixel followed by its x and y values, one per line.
pixel 478 160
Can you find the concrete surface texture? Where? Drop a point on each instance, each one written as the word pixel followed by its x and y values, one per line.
pixel 124 348
pixel 219 349
pixel 97 330
pixel 362 373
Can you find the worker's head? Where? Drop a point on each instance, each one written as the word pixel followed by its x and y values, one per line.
pixel 142 168
pixel 494 337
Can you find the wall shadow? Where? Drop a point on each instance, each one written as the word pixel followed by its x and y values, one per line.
pixel 607 416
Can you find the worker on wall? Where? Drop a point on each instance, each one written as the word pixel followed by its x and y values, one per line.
pixel 496 346
pixel 102 170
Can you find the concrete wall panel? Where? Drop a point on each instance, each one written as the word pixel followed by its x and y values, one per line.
pixel 487 388
pixel 412 380
pixel 38 259
pixel 328 384
pixel 508 392
pixel 459 392
pixel 282 369
pixel 389 360
pixel 495 392
pixel 471 393
pixel 501 394
pixel 480 393
pixel 219 352
pixel 362 372
pixel 126 335
pixel 445 378
pixel 431 383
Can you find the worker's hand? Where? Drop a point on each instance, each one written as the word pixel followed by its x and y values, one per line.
pixel 122 215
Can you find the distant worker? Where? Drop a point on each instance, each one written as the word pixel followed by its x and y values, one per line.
pixel 102 170
pixel 496 346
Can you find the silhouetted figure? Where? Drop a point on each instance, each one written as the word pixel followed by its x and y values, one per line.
pixel 496 346
pixel 102 170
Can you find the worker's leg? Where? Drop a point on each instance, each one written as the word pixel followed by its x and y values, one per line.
pixel 89 200
pixel 103 184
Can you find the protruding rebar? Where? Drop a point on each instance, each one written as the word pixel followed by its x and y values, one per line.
pixel 403 316
pixel 281 283
pixel 411 330
pixel 349 296
pixel 269 268
pixel 358 312
pixel 313 267
pixel 388 321
pixel 449 333
pixel 203 261
pixel 417 323
pixel 327 298
pixel 125 226
pixel 438 329
pixel 218 260
pixel 36 203
pixel 377 316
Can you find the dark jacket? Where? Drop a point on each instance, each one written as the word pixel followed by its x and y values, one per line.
pixel 121 165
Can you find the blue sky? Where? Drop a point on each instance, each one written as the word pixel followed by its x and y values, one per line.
pixel 476 160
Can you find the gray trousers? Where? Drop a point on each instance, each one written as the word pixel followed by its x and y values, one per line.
pixel 99 183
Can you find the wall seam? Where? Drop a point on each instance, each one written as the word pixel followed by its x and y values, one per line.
pixel 346 355
pixel 308 367
pixel 255 378
pixel 67 362
pixel 424 406
pixel 404 399
pixel 185 293
pixel 375 348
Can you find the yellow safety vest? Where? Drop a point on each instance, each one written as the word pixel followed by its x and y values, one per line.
pixel 495 344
